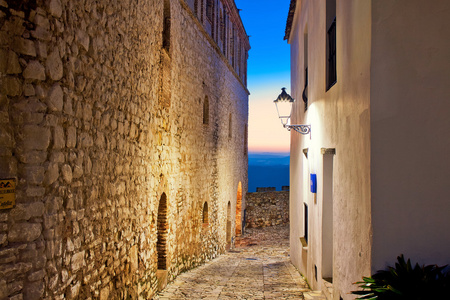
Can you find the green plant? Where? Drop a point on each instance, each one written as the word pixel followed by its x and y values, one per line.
pixel 404 282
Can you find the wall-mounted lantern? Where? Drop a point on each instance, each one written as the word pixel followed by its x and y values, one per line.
pixel 284 108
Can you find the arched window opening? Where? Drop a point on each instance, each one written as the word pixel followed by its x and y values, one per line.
pixel 232 47
pixel 228 225
pixel 206 111
pixel 246 139
pixel 196 8
pixel 239 210
pixel 162 233
pixel 166 26
pixel 209 10
pixel 205 214
pixel 230 127
pixel 222 30
pixel 225 33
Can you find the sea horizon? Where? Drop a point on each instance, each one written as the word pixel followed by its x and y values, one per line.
pixel 268 169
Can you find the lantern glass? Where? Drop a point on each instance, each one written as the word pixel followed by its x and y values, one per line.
pixel 284 106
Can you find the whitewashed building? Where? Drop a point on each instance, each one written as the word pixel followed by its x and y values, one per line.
pixel 372 78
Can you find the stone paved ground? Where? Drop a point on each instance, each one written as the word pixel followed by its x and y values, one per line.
pixel 258 268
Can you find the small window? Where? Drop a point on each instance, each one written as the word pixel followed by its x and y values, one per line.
pixel 305 64
pixel 230 127
pixel 166 26
pixel 246 140
pixel 196 8
pixel 206 111
pixel 205 213
pixel 209 10
pixel 225 33
pixel 305 227
pixel 331 43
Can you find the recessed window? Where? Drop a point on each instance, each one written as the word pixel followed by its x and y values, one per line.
pixel 245 139
pixel 166 26
pixel 162 233
pixel 230 127
pixel 305 227
pixel 205 213
pixel 206 111
pixel 331 43
pixel 305 64
pixel 209 10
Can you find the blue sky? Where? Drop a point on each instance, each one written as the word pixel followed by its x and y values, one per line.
pixel 268 71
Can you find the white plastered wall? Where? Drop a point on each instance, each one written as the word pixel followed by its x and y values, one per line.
pixel 339 119
pixel 410 126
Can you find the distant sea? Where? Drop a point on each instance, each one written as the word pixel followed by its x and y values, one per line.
pixel 267 170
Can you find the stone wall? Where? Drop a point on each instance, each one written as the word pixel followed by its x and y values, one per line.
pixel 267 209
pixel 100 122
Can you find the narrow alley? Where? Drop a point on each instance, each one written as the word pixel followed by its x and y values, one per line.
pixel 258 268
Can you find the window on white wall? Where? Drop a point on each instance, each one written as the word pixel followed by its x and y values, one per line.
pixel 331 43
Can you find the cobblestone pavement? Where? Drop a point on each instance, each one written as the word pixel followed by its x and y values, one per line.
pixel 258 268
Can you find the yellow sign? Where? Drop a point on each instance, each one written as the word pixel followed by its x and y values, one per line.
pixel 7 193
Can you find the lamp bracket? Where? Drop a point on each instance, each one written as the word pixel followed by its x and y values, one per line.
pixel 303 129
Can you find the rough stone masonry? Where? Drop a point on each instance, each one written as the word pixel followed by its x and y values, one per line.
pixel 123 124
pixel 267 208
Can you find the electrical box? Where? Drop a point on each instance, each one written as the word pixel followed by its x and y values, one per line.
pixel 313 183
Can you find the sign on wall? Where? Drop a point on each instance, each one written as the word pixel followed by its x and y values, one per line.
pixel 7 193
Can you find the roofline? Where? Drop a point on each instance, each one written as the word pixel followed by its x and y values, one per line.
pixel 290 19
pixel 234 14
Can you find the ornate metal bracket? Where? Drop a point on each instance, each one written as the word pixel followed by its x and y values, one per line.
pixel 303 129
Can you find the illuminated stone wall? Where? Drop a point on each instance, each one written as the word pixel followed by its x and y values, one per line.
pixel 99 121
pixel 268 208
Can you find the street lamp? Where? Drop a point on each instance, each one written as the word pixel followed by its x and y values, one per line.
pixel 284 107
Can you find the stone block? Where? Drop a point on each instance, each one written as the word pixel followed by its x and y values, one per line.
pixel 59 140
pixel 24 46
pixel 66 172
pixel 54 66
pixel 41 33
pixel 104 293
pixel 28 90
pixel 71 137
pixel 3 60
pixel 3 239
pixel 20 213
pixel 33 157
pixel 55 99
pixel 6 137
pixel 77 261
pixel 50 220
pixel 35 276
pixel 35 209
pixel 34 70
pixel 83 38
pixel 35 191
pixel 34 290
pixel 77 171
pixel 31 104
pixel 55 8
pixel 24 232
pixel 11 86
pixel 57 157
pixel 52 173
pixel 42 21
pixel 13 64
pixel 8 167
pixel 3 289
pixel 34 174
pixel 73 291
pixel 42 50
pixel 36 137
